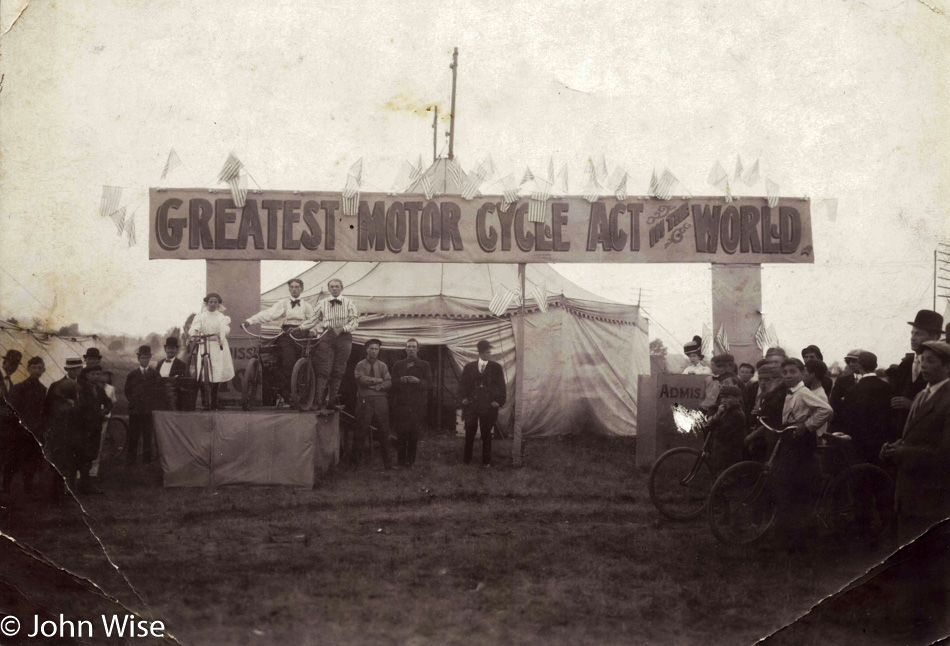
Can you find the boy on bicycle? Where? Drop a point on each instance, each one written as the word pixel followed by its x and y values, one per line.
pixel 796 473
pixel 728 427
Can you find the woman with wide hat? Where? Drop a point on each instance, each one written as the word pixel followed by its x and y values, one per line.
pixel 211 320
pixel 694 352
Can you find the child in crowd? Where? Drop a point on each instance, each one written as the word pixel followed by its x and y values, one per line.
pixel 770 401
pixel 728 428
pixel 815 371
pixel 796 474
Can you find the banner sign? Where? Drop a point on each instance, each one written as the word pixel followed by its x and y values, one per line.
pixel 296 225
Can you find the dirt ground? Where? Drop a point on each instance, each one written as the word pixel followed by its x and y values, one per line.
pixel 567 550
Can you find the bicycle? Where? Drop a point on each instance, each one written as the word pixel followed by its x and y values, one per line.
pixel 680 480
pixel 201 370
pixel 855 501
pixel 302 380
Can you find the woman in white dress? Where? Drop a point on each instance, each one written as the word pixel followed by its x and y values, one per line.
pixel 212 320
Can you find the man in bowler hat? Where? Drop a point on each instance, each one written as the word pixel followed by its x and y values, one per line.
pixel 483 391
pixel 169 370
pixel 926 326
pixel 92 357
pixel 140 389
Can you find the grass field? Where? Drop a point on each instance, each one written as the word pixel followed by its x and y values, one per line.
pixel 566 550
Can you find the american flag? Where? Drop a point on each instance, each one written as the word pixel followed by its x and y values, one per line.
pixel 528 176
pixel 621 191
pixel 600 167
pixel 739 169
pixel 118 217
pixel 654 185
pixel 539 197
pixel 721 339
pixel 456 171
pixel 707 340
pixel 664 189
pixel 773 335
pixel 766 338
pixel 351 192
pixel 771 189
pixel 232 166
pixel 238 185
pixel 502 301
pixel 130 230
pixel 592 191
pixel 509 189
pixel 753 175
pixel 476 178
pixel 173 162
pixel 402 178
pixel 540 294
pixel 111 196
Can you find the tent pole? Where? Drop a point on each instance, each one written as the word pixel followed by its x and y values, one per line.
pixel 517 451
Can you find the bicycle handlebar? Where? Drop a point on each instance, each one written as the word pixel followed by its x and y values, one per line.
pixel 766 425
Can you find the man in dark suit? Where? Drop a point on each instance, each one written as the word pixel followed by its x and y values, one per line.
pixel 61 444
pixel 24 453
pixel 868 416
pixel 141 387
pixel 926 326
pixel 411 380
pixel 169 370
pixel 483 391
pixel 8 418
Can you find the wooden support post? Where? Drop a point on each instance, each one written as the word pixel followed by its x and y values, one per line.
pixel 517 452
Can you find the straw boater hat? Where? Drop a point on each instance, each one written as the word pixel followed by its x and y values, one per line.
pixel 694 347
pixel 73 362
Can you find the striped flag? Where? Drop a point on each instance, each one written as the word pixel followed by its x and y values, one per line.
pixel 771 189
pixel 111 196
pixel 762 336
pixel 539 197
pixel 509 190
pixel 739 170
pixel 528 176
pixel 561 181
pixel 620 192
pixel 130 230
pixel 232 166
pixel 600 167
pixel 773 336
pixel 427 188
pixel 238 185
pixel 721 339
pixel 719 178
pixel 654 185
pixel 476 178
pixel 351 191
pixel 118 217
pixel 417 171
pixel 490 170
pixel 540 294
pixel 707 340
pixel 551 169
pixel 592 191
pixel 664 189
pixel 502 301
pixel 401 182
pixel 173 162
pixel 455 170
pixel 753 175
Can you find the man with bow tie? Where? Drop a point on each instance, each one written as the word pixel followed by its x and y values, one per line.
pixel 335 319
pixel 169 370
pixel 926 326
pixel 290 312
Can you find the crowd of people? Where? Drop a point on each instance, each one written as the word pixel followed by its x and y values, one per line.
pixel 68 421
pixel 898 419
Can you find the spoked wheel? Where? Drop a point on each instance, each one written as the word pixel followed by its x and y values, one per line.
pixel 303 385
pixel 679 484
pixel 204 382
pixel 861 504
pixel 252 380
pixel 740 508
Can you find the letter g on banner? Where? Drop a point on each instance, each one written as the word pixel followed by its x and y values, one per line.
pixel 169 231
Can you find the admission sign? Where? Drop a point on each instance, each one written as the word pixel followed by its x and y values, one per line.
pixel 298 225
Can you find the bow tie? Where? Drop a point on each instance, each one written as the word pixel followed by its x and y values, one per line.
pixel 335 301
pixel 169 360
pixel 294 303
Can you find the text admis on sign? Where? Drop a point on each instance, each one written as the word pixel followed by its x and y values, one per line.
pixel 289 225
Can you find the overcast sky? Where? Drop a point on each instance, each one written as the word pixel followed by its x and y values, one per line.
pixel 847 100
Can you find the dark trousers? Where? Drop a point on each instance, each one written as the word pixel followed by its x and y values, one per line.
pixel 287 353
pixel 796 478
pixel 408 430
pixel 23 453
pixel 372 411
pixel 140 426
pixel 473 421
pixel 332 355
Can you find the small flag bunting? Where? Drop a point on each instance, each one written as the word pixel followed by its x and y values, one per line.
pixel 664 189
pixel 722 340
pixel 654 184
pixel 111 196
pixel 118 217
pixel 739 170
pixel 540 294
pixel 173 162
pixel 238 185
pixel 502 301
pixel 232 166
pixel 539 197
pixel 130 231
pixel 753 175
pixel 401 181
pixel 771 190
pixel 528 176
pixel 561 181
pixel 592 191
pixel 707 340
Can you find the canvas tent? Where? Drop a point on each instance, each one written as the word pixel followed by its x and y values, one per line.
pixel 582 357
pixel 52 348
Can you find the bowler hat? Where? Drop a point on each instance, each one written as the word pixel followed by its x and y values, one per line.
pixel 92 353
pixel 940 347
pixel 483 345
pixel 13 355
pixel 928 320
pixel 144 350
pixel 171 342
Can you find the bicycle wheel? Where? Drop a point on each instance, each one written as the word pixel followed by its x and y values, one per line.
pixel 303 385
pixel 860 504
pixel 680 482
pixel 252 379
pixel 740 508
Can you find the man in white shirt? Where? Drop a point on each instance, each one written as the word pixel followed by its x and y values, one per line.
pixel 290 312
pixel 335 319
